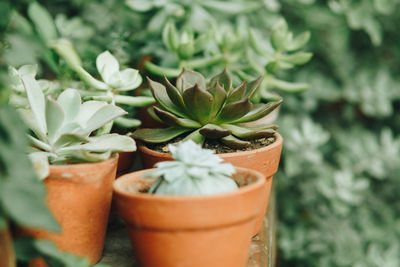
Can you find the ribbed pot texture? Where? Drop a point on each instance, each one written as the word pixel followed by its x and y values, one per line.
pixel 264 160
pixel 79 196
pixel 190 231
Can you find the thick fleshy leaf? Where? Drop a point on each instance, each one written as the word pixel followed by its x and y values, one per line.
pixel 234 111
pixel 258 111
pixel 213 131
pixel 188 78
pixel 237 93
pixel 29 118
pixel 170 119
pixel 38 143
pixel 198 103
pixel 248 134
pixel 219 96
pixel 224 79
pixel 36 101
pixel 158 135
pixel 43 21
pixel 130 79
pixel 88 79
pixel 88 109
pixel 251 87
pixel 288 86
pixel 67 51
pixel 160 94
pixel 107 65
pixel 101 117
pixel 169 72
pixel 196 137
pixel 127 122
pixel 104 143
pixel 40 163
pixel 299 41
pixel 174 94
pixel 78 155
pixel 153 115
pixel 54 119
pixel 69 139
pixel 169 37
pixel 134 101
pixel 297 58
pixel 70 101
pixel 234 142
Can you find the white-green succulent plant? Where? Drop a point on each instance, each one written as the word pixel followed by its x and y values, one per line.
pixel 18 96
pixel 115 82
pixel 195 171
pixel 61 129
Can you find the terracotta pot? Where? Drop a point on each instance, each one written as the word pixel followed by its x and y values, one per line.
pixel 264 160
pixel 190 231
pixel 125 161
pixel 79 196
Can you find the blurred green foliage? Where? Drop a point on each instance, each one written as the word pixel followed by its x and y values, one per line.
pixel 338 183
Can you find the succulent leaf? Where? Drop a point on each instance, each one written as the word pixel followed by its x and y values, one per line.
pixel 70 101
pixel 224 79
pixel 198 103
pixel 237 93
pixel 258 111
pixel 127 122
pixel 172 120
pixel 219 96
pixel 161 96
pixel 196 137
pixel 158 135
pixel 248 134
pixel 213 131
pixel 54 118
pixel 36 101
pixel 234 111
pixel 251 87
pixel 174 94
pixel 104 143
pixel 188 78
pixel 104 115
pixel 234 142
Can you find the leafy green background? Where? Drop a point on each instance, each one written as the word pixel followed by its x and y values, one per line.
pixel 337 188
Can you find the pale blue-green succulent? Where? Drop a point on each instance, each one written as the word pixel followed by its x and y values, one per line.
pixel 61 129
pixel 115 82
pixel 195 171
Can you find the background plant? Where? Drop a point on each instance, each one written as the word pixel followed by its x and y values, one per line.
pixel 336 187
pixel 194 171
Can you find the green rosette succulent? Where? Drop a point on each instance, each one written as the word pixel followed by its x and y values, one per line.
pixel 200 110
pixel 194 171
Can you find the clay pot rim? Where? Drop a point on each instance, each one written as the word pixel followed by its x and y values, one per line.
pixel 278 142
pixel 82 164
pixel 117 188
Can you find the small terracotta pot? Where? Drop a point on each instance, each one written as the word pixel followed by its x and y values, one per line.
pixel 190 231
pixel 125 161
pixel 264 160
pixel 79 196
